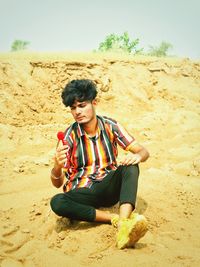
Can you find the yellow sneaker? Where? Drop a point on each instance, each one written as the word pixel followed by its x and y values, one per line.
pixel 131 230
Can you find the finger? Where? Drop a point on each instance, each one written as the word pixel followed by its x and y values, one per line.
pixel 60 144
pixel 63 148
pixel 135 162
pixel 137 159
pixel 130 162
pixel 61 153
pixel 61 157
pixel 66 147
pixel 126 161
pixel 61 162
pixel 122 162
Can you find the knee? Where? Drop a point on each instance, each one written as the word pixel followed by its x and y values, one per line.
pixel 56 204
pixel 133 170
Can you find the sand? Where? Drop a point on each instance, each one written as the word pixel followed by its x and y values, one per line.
pixel 157 100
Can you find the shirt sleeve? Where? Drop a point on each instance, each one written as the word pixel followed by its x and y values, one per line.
pixel 123 138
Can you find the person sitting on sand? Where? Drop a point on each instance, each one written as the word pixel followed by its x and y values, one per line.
pixel 87 160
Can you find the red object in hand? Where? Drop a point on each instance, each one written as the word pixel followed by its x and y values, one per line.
pixel 61 137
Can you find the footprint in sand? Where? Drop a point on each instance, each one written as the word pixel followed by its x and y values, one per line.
pixel 12 238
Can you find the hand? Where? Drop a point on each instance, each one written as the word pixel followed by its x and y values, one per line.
pixel 60 157
pixel 131 159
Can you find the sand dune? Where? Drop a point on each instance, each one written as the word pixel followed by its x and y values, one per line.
pixel 157 100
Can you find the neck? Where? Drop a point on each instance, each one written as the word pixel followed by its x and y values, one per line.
pixel 91 127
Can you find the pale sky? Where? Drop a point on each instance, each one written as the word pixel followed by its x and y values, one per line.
pixel 80 25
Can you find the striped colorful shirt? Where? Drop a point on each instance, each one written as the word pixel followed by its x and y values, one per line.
pixel 90 159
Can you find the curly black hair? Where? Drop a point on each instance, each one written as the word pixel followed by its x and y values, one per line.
pixel 78 90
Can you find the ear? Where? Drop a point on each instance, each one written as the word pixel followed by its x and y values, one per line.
pixel 94 102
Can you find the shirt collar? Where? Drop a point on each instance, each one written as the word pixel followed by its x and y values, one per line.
pixel 81 132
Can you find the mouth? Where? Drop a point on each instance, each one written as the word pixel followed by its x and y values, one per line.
pixel 79 118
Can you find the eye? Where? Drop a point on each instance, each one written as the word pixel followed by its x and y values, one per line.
pixel 82 105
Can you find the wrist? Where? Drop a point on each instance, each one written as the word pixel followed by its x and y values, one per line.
pixel 57 169
pixel 56 174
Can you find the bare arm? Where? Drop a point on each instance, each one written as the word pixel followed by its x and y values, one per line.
pixel 138 154
pixel 57 175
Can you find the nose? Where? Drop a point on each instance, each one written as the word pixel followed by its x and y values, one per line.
pixel 77 111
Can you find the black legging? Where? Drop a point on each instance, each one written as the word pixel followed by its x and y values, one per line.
pixel 80 203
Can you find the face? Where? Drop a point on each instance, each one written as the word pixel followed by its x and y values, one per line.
pixel 83 112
